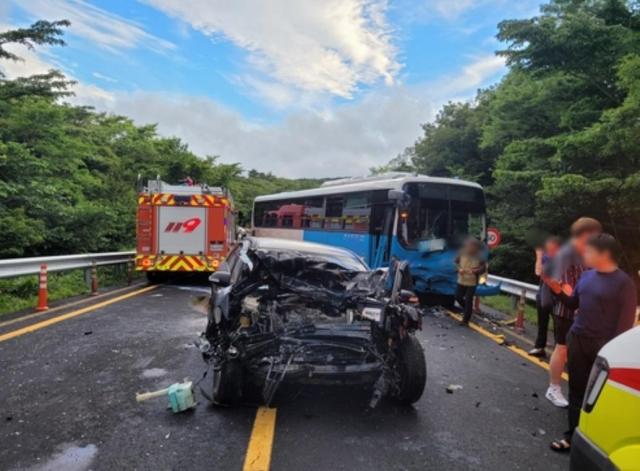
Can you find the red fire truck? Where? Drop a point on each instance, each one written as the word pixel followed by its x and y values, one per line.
pixel 182 228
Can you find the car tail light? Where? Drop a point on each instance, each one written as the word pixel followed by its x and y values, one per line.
pixel 597 379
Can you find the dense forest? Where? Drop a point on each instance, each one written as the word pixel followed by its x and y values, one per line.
pixel 558 137
pixel 68 174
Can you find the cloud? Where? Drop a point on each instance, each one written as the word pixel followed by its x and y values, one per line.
pixel 336 140
pixel 453 9
pixel 328 46
pixel 106 78
pixel 107 30
pixel 471 77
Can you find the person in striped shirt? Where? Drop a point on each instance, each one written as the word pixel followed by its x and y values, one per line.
pixel 568 266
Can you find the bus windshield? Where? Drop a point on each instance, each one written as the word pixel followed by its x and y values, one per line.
pixel 442 212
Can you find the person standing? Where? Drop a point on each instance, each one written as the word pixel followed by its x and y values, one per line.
pixel 470 264
pixel 544 298
pixel 567 268
pixel 606 298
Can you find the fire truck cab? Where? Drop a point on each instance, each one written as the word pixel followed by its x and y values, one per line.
pixel 182 228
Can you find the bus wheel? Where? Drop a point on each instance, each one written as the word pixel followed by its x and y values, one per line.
pixel 430 300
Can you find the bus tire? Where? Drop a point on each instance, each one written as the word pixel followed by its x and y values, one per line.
pixel 444 300
pixel 412 369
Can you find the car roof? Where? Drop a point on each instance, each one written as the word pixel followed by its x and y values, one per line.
pixel 269 243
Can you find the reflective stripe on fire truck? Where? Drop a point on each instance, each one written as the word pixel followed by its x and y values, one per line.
pixel 176 263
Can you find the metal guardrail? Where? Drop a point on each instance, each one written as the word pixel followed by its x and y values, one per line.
pixel 514 287
pixel 31 266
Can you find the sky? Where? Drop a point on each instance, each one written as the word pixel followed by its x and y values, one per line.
pixel 299 88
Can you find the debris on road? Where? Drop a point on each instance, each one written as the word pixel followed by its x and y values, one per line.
pixel 453 387
pixel 180 396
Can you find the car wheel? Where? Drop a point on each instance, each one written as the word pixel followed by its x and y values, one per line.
pixel 227 383
pixel 412 368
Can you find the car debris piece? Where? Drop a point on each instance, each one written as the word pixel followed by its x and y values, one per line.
pixel 180 396
pixel 285 311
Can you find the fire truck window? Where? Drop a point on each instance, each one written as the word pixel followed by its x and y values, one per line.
pixel 287 221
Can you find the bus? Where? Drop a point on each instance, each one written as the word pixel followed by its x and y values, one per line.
pixel 405 216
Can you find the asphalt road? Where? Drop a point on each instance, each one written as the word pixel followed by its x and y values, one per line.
pixel 67 402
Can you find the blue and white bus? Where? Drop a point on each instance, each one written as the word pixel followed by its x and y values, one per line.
pixel 411 217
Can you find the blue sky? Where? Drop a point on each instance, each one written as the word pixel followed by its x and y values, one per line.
pixel 296 87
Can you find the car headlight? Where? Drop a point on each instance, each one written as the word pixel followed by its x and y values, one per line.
pixel 372 314
pixel 597 379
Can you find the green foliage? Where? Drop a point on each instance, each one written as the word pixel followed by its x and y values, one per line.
pixel 68 174
pixel 559 136
pixel 21 293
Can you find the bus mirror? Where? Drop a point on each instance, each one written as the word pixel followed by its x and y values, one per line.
pixel 399 197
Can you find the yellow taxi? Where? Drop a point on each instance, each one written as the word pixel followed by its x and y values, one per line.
pixel 608 437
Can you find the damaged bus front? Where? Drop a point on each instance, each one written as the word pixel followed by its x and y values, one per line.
pixel 294 312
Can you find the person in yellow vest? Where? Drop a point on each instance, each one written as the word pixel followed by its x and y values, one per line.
pixel 470 264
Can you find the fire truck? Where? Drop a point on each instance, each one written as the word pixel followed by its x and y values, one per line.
pixel 182 228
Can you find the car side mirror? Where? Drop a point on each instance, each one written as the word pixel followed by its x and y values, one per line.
pixel 220 278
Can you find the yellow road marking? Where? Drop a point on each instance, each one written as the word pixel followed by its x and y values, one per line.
pixel 66 306
pixel 499 338
pixel 258 456
pixel 69 315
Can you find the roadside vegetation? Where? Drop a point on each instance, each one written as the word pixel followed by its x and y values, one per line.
pixel 17 294
pixel 504 303
pixel 557 138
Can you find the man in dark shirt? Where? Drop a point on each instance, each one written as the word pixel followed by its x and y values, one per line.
pixel 606 300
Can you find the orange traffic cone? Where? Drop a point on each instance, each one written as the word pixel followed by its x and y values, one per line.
pixel 42 290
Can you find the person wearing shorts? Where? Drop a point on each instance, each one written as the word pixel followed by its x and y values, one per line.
pixel 568 266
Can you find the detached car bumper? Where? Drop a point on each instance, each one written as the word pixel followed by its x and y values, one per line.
pixel 586 456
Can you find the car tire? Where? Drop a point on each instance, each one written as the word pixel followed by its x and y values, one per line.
pixel 227 383
pixel 412 368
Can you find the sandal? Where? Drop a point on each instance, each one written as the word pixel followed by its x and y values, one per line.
pixel 561 446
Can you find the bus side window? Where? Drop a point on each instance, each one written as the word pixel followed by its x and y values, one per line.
pixel 357 211
pixel 333 213
pixel 313 213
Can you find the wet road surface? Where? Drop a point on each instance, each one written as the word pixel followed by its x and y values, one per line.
pixel 68 402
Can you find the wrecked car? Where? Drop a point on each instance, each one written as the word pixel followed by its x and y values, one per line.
pixel 284 311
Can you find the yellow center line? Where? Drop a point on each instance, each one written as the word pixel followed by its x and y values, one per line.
pixel 66 306
pixel 69 315
pixel 258 457
pixel 499 338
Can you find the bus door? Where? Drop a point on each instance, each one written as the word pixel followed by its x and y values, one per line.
pixel 382 223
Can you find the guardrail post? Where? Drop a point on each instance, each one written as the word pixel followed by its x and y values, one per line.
pixel 129 272
pixel 94 279
pixel 519 325
pixel 43 293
